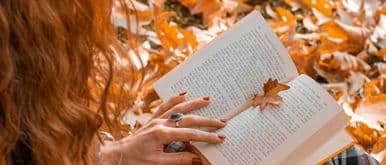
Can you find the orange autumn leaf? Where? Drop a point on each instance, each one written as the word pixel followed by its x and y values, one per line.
pixel 295 4
pixel 341 37
pixel 207 8
pixel 324 6
pixel 188 3
pixel 357 36
pixel 381 53
pixel 372 111
pixel 343 62
pixel 364 135
pixel 271 94
pixel 302 55
pixel 305 63
pixel 380 12
pixel 380 145
pixel 338 65
pixel 377 98
pixel 334 31
pixel 285 15
pixel 168 34
pixel 189 39
pixel 171 35
pixel 375 87
pixel 241 7
pixel 373 105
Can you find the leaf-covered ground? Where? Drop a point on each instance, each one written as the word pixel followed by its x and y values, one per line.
pixel 340 43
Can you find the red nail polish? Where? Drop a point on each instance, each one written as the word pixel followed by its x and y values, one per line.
pixel 206 98
pixel 222 137
pixel 196 161
pixel 224 120
pixel 182 93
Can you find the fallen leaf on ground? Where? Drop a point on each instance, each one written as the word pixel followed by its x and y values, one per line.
pixel 188 3
pixel 271 94
pixel 380 145
pixel 364 135
pixel 207 8
pixel 335 67
pixel 324 6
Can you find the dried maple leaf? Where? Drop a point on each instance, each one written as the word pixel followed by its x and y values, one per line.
pixel 286 16
pixel 295 4
pixel 207 8
pixel 337 36
pixel 172 36
pixel 365 136
pixel 372 110
pixel 381 53
pixel 376 87
pixel 236 6
pixel 324 6
pixel 271 94
pixel 168 34
pixel 373 106
pixel 188 3
pixel 303 56
pixel 337 66
pixel 380 145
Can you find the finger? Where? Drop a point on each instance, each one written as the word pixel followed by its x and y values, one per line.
pixel 197 121
pixel 174 100
pixel 188 106
pixel 180 158
pixel 189 134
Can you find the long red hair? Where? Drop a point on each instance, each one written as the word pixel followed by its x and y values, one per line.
pixel 49 50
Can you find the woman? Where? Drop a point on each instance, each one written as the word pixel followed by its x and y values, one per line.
pixel 48 51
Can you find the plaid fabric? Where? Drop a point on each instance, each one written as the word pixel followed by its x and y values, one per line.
pixel 353 156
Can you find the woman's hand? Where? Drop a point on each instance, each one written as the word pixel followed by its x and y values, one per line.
pixel 146 145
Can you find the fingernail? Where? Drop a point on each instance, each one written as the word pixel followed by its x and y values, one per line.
pixel 206 98
pixel 196 161
pixel 223 120
pixel 222 137
pixel 182 93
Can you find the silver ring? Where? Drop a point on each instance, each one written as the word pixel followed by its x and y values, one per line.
pixel 176 117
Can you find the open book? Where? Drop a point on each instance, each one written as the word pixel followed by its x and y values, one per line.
pixel 307 127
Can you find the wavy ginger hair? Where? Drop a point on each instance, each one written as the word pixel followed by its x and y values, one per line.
pixel 48 51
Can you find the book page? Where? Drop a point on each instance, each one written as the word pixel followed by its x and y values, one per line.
pixel 326 143
pixel 231 68
pixel 269 136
